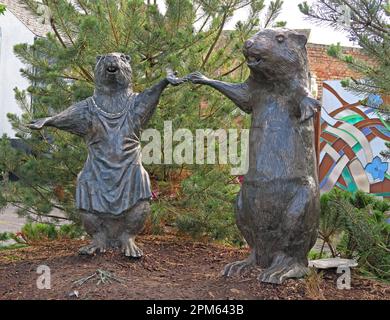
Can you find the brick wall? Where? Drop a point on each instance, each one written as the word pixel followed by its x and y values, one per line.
pixel 325 67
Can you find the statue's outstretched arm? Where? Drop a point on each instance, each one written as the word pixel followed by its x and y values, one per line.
pixel 237 92
pixel 147 101
pixel 75 120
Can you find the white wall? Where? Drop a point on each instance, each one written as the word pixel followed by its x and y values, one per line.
pixel 12 32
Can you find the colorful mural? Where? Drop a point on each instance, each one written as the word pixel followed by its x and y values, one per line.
pixel 352 137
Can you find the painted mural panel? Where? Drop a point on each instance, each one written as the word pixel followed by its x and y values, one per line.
pixel 352 137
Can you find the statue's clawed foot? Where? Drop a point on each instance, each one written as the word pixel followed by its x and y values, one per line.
pixel 91 249
pixel 98 245
pixel 235 268
pixel 129 248
pixel 283 268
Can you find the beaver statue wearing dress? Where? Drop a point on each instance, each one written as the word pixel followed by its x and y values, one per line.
pixel 113 188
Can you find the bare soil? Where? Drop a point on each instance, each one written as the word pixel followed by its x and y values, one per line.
pixel 172 268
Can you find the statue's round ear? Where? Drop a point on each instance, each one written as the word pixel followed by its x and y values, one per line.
pixel 300 38
pixel 98 57
pixel 128 58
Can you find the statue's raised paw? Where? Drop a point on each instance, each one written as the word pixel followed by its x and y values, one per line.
pixel 308 108
pixel 173 79
pixel 197 77
pixel 37 124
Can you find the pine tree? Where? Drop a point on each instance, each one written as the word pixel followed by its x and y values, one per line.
pixel 189 36
pixel 368 24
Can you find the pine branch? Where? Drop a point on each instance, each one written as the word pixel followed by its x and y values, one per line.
pixel 86 74
pixel 114 32
pixel 233 69
pixel 204 23
pixel 58 35
pixel 82 6
pixel 217 37
pixel 363 18
pixel 274 10
pixel 63 25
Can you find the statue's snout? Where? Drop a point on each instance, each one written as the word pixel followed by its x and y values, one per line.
pixel 111 60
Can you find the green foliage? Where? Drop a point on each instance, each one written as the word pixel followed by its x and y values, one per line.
pixel 60 71
pixel 304 7
pixel 210 214
pixel 2 8
pixel 387 8
pixel 349 59
pixel 274 9
pixel 335 50
pixel 39 232
pixel 162 214
pixel 314 255
pixel 70 231
pixel 4 236
pixel 386 153
pixel 345 83
pixel 368 26
pixel 331 218
pixel 360 221
pixel 13 246
pixel 8 156
pixel 33 232
pixel 280 24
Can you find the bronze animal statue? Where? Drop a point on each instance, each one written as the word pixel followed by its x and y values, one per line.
pixel 113 189
pixel 277 209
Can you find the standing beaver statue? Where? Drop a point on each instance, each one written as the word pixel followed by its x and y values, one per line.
pixel 113 189
pixel 277 209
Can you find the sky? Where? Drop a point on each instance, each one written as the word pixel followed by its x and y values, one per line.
pixel 295 20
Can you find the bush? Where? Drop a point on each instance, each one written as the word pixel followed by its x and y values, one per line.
pixel 4 236
pixel 209 197
pixel 33 232
pixel 361 222
pixel 314 255
pixel 71 231
pixel 39 231
pixel 331 218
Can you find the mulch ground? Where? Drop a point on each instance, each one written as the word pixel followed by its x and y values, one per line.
pixel 172 268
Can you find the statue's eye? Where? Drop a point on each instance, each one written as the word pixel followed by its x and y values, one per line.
pixel 280 38
pixel 125 57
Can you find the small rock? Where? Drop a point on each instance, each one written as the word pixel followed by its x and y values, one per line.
pixel 74 293
pixel 331 263
pixel 234 290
